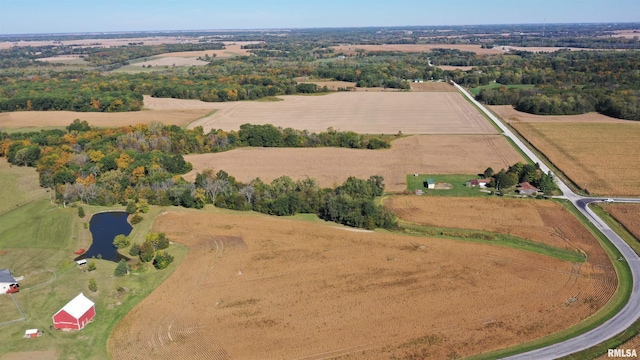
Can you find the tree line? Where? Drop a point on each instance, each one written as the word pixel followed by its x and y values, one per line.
pixel 143 163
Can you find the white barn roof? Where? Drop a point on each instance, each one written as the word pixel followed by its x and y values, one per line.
pixel 78 306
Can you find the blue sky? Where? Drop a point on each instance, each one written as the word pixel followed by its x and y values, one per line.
pixel 46 16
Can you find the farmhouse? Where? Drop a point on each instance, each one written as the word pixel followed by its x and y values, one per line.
pixel 8 284
pixel 76 314
pixel 525 188
pixel 483 183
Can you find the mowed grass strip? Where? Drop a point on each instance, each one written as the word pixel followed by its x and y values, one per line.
pixel 603 158
pixel 18 184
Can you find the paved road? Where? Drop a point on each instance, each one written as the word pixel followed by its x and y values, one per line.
pixel 631 311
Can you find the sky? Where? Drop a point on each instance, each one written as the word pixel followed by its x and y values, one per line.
pixel 64 16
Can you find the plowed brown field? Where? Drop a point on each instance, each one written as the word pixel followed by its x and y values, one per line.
pixel 509 114
pixel 451 154
pixel 626 214
pixel 604 158
pixel 362 112
pixel 258 287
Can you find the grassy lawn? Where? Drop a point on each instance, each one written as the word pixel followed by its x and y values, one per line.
pixel 616 303
pixel 37 241
pixel 18 185
pixel 457 183
pixel 476 90
pixel 492 238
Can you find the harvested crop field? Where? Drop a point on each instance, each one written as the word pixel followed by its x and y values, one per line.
pixel 452 154
pixel 362 112
pixel 231 49
pixel 256 287
pixel 603 158
pixel 351 49
pixel 36 119
pixel 171 61
pixel 626 214
pixel 511 115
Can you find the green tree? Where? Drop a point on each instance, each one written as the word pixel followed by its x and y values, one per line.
pixel 131 207
pixel 147 251
pixel 134 250
pixel 121 241
pixel 91 266
pixel 162 260
pixel 93 285
pixel 122 269
pixel 81 211
pixel 488 173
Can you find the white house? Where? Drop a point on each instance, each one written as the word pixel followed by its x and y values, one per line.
pixel 8 284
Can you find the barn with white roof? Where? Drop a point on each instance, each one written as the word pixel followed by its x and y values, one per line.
pixel 76 314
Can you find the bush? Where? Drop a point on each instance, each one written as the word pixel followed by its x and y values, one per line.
pixel 85 225
pixel 121 241
pixel 136 219
pixel 162 260
pixel 91 266
pixel 93 285
pixel 131 207
pixel 121 269
pixel 147 251
pixel 135 250
pixel 81 211
pixel 159 240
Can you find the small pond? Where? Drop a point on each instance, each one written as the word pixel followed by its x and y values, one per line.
pixel 104 228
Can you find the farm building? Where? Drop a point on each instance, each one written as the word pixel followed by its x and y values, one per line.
pixel 483 183
pixel 8 284
pixel 76 314
pixel 525 188
pixel 32 333
pixel 430 184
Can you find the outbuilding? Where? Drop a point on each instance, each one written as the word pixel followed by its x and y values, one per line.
pixel 32 333
pixel 76 314
pixel 8 284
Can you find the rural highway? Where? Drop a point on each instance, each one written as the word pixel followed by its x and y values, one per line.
pixel 631 311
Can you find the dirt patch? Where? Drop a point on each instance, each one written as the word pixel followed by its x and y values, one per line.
pixel 362 112
pixel 603 158
pixel 351 49
pixel 301 290
pixel 451 154
pixel 509 114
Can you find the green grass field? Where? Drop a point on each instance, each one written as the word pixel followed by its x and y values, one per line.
pixel 457 183
pixel 476 90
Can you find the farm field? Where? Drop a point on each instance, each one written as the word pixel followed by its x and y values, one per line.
pixel 511 115
pixel 433 87
pixel 451 154
pixel 232 49
pixel 265 287
pixel 147 40
pixel 38 119
pixel 351 49
pixel 453 67
pixel 362 112
pixel 627 215
pixel 604 158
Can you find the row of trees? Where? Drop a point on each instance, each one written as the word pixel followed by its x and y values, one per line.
pixel 519 173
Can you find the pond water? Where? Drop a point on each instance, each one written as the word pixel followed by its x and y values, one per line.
pixel 104 228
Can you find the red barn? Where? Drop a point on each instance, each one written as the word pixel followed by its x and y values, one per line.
pixel 76 314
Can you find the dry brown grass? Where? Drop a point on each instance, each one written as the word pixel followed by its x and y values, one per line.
pixel 604 158
pixel 351 49
pixel 362 112
pixel 256 287
pixel 509 114
pixel 452 154
pixel 452 67
pixel 433 87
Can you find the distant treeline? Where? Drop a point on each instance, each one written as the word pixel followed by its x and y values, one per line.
pixel 110 166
